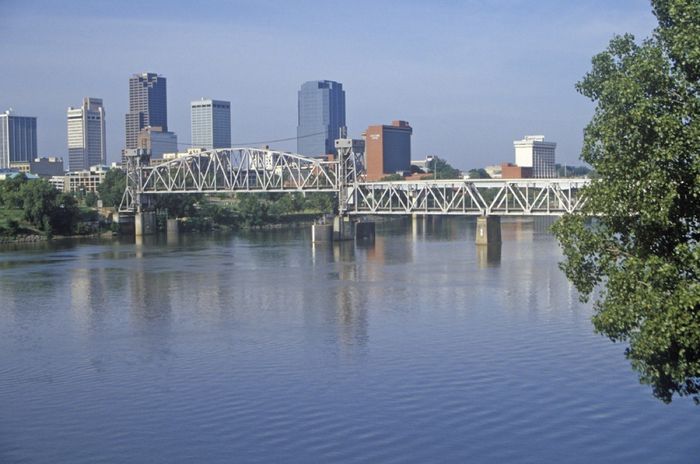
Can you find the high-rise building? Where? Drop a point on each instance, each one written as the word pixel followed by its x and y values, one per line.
pixel 17 139
pixel 86 135
pixel 533 152
pixel 156 142
pixel 211 124
pixel 388 149
pixel 147 105
pixel 321 114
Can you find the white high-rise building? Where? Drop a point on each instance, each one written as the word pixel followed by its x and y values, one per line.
pixel 533 152
pixel 211 124
pixel 87 144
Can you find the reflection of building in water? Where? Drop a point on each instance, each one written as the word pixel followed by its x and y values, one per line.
pixel 516 229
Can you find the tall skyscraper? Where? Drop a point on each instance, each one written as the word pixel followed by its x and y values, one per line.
pixel 321 115
pixel 211 124
pixel 17 139
pixel 388 149
pixel 87 145
pixel 533 152
pixel 147 106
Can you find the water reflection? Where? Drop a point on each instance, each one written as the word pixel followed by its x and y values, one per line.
pixel 488 255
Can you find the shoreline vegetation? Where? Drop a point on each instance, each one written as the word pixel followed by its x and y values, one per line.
pixel 33 210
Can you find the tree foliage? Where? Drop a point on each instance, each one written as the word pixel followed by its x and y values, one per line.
pixel 112 188
pixel 478 174
pixel 441 169
pixel 641 252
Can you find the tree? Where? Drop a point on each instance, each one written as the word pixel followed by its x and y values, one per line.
pixel 39 200
pixel 392 178
pixel 478 174
pixel 90 199
pixel 64 215
pixel 441 169
pixel 10 196
pixel 641 251
pixel 112 187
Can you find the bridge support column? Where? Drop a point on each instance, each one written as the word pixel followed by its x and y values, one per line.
pixel 321 233
pixel 365 231
pixel 488 230
pixel 145 223
pixel 125 222
pixel 343 228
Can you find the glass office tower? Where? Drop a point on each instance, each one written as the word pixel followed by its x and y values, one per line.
pixel 147 106
pixel 17 139
pixel 321 116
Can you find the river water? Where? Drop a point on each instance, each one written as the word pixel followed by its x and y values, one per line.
pixel 259 347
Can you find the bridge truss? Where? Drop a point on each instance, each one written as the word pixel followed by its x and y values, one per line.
pixel 235 170
pixel 260 170
pixel 477 197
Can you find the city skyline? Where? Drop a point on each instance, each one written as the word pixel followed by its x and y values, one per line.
pixel 471 78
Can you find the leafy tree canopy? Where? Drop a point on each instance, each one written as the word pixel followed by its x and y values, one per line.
pixel 641 252
pixel 442 169
pixel 112 188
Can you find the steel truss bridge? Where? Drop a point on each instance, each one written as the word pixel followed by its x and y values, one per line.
pixel 235 170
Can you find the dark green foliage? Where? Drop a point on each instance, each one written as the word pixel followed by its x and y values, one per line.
pixel 90 199
pixel 38 202
pixel 478 174
pixel 642 250
pixel 177 204
pixel 572 171
pixel 64 215
pixel 321 202
pixel 112 188
pixel 441 169
pixel 10 196
pixel 392 178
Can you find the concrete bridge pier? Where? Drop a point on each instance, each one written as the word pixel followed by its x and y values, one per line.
pixel 364 231
pixel 488 230
pixel 125 222
pixel 343 228
pixel 321 233
pixel 145 223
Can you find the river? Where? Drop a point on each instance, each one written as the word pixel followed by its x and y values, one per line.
pixel 259 347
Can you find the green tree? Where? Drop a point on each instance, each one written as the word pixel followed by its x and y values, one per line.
pixel 441 169
pixel 642 251
pixel 38 202
pixel 10 196
pixel 478 174
pixel 64 214
pixel 112 188
pixel 90 199
pixel 392 178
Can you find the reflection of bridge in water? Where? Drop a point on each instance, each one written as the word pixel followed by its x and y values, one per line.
pixel 251 170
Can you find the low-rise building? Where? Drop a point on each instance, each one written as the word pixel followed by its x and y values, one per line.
pixel 83 181
pixel 512 171
pixel 46 166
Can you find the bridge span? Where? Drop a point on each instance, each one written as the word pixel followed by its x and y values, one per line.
pixel 251 170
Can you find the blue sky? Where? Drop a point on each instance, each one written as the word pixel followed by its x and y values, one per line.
pixel 470 76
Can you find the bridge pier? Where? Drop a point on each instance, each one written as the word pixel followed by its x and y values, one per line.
pixel 125 222
pixel 364 231
pixel 343 228
pixel 488 230
pixel 145 223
